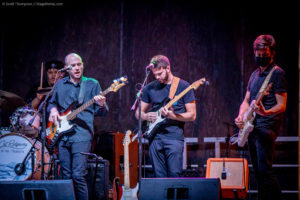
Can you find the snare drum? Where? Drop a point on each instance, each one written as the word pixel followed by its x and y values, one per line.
pixel 20 120
pixel 13 149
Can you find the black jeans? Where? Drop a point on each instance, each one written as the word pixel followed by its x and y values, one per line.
pixel 166 157
pixel 261 146
pixel 73 165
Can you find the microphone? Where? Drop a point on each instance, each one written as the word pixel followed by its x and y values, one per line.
pixel 20 169
pixel 150 66
pixel 66 68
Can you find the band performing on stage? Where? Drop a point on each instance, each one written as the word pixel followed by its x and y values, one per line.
pixel 51 132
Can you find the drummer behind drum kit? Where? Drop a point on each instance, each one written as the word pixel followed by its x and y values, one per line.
pixel 20 150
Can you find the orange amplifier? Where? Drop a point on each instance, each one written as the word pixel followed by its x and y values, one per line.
pixel 233 173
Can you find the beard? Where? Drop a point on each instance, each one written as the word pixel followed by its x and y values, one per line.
pixel 165 79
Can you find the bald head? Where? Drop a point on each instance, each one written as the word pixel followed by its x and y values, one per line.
pixel 72 55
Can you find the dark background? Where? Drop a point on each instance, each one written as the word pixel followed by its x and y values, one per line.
pixel 212 40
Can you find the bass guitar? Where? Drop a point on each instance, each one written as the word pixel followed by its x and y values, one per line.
pixel 250 116
pixel 65 125
pixel 152 127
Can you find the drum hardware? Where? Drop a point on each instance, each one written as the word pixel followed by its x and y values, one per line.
pixel 20 122
pixel 44 91
pixel 20 167
pixel 5 130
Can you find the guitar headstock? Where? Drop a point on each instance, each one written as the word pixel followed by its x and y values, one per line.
pixel 127 140
pixel 201 81
pixel 118 83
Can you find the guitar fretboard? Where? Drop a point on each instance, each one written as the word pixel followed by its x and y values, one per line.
pixel 85 105
pixel 178 96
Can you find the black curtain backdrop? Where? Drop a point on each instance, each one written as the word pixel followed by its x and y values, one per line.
pixel 115 38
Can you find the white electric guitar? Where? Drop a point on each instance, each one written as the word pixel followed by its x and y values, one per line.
pixel 250 116
pixel 127 192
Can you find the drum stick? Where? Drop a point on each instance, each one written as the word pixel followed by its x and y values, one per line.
pixel 42 73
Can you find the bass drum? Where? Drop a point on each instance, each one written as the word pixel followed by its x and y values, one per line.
pixel 13 150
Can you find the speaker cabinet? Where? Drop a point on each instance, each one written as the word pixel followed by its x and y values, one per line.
pixel 180 188
pixel 98 186
pixel 41 190
pixel 233 173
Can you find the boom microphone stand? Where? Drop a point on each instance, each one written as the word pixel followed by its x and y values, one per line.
pixel 138 100
pixel 43 132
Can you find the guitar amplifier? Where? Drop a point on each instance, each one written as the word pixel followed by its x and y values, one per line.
pixel 101 189
pixel 233 173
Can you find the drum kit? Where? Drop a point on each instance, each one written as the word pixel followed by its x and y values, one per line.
pixel 20 146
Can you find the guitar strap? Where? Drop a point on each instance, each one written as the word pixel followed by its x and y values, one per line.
pixel 82 89
pixel 266 81
pixel 174 86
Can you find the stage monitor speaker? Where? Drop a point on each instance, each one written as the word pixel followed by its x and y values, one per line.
pixel 233 173
pixel 101 187
pixel 41 190
pixel 180 188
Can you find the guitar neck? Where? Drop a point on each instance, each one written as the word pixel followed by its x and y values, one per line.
pixel 126 167
pixel 85 105
pixel 176 98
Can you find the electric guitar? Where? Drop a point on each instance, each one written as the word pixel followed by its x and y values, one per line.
pixel 128 193
pixel 250 116
pixel 65 125
pixel 152 127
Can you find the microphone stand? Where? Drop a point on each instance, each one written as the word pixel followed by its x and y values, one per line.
pixel 20 167
pixel 138 100
pixel 43 132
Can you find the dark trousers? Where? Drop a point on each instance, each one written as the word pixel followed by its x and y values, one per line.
pixel 73 165
pixel 166 157
pixel 261 146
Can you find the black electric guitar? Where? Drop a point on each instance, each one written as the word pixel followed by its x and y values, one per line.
pixel 152 127
pixel 65 125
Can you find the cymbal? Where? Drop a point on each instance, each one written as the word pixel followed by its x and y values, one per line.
pixel 44 90
pixel 10 101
